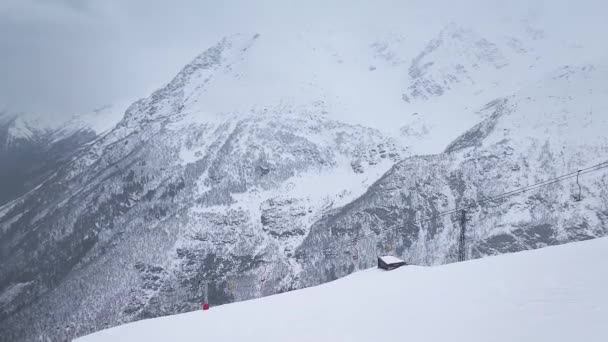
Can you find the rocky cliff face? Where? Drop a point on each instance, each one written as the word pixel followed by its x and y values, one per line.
pixel 544 131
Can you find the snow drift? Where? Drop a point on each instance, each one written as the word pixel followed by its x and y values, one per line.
pixel 550 294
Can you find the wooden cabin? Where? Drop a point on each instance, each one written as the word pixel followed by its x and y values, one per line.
pixel 389 262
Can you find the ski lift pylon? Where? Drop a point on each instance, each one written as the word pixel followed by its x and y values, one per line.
pixel 578 198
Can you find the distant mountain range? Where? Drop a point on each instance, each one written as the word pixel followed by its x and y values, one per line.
pixel 32 146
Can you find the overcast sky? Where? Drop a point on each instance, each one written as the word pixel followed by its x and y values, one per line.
pixel 69 56
pixel 65 56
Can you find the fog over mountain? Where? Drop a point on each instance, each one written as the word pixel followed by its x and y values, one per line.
pixel 63 56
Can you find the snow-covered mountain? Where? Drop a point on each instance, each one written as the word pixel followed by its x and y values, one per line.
pixel 219 189
pixel 550 128
pixel 100 120
pixel 23 127
pixel 553 294
pixel 270 146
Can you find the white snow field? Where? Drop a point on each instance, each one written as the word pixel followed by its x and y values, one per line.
pixel 551 294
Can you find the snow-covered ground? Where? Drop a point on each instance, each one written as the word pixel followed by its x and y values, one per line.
pixel 551 294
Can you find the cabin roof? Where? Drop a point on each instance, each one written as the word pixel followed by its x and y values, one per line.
pixel 389 259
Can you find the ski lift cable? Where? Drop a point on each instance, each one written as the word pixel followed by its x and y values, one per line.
pixel 504 195
pixel 579 186
pixel 518 191
pixel 334 245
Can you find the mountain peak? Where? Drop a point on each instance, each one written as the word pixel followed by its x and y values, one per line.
pixel 192 80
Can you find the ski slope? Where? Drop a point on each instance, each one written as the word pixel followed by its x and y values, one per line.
pixel 551 294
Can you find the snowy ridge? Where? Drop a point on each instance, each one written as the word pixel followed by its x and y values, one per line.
pixel 551 294
pixel 20 127
pixel 27 127
pixel 100 120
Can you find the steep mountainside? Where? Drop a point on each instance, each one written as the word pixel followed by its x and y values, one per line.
pixel 548 129
pixel 127 229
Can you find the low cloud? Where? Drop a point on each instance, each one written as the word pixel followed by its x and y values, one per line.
pixel 60 57
pixel 65 56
